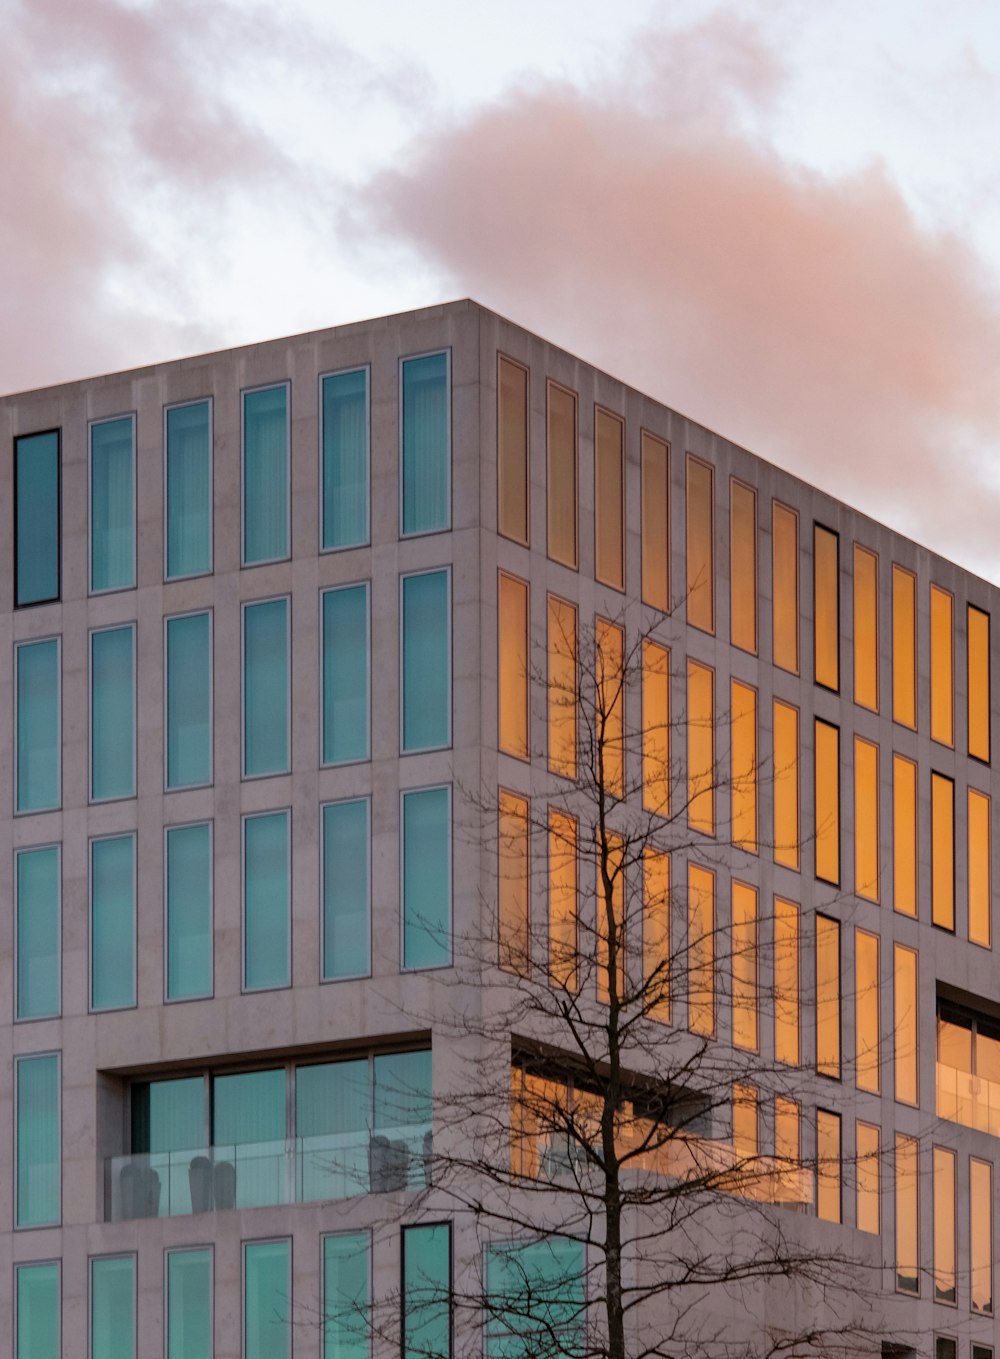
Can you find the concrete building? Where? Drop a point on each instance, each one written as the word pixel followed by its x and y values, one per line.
pixel 257 610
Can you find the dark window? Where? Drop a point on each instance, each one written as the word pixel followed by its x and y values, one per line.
pixel 36 518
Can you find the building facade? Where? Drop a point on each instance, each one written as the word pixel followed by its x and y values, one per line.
pixel 281 625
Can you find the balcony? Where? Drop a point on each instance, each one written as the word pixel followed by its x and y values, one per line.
pixel 970 1100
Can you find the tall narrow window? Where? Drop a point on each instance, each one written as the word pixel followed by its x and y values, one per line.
pixel 981 1234
pixel 561 482
pixel 513 677
pixel 346 1296
pixel 562 687
pixel 785 587
pixel 37 1308
pixel 944 1226
pixel 267 1300
pixel 785 785
pixel 112 923
pixel 266 901
pixel 904 647
pixel 786 982
pixel 701 747
pixel 112 713
pixel 743 752
pixel 265 475
pixel 188 894
pixel 867 1013
pixel 742 566
pixel 865 628
pixel 38 1154
pixel 905 1033
pixel 655 728
pixel 609 499
pixel 514 876
pixel 346 679
pixel 563 931
pixel 826 607
pixel 609 733
pixel 535 1302
pixel 977 626
pixel 744 967
pixel 112 1307
pixel 189 700
pixel 426 661
pixel 904 835
pixel 656 932
pixel 980 885
pixel 942 666
pixel 426 444
pixel 611 923
pixel 943 851
pixel 37 932
pixel 746 1130
pixel 866 836
pixel 700 545
pixel 188 473
pixel 787 1141
pixel 112 505
pixel 907 1221
pixel 828 996
pixel 866 1147
pixel 189 1304
pixel 513 476
pixel 701 950
pixel 426 1289
pixel 346 889
pixel 345 459
pixel 655 523
pixel 426 843
pixel 265 688
pixel 827 801
pixel 37 534
pixel 37 725
pixel 828 1207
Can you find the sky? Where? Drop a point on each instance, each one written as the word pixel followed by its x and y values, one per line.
pixel 778 217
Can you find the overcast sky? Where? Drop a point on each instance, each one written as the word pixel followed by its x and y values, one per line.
pixel 779 217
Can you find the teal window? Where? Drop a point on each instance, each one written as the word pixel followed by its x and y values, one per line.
pixel 267 1300
pixel 266 892
pixel 36 914
pixel 426 444
pixel 426 686
pixel 37 725
pixel 189 911
pixel 36 518
pixel 112 923
pixel 189 700
pixel 112 713
pixel 112 1307
pixel 189 490
pixel 265 475
pixel 345 674
pixel 189 1304
pixel 427 878
pixel 39 1159
pixel 112 504
pixel 427 1292
pixel 346 1296
pixel 345 459
pixel 169 1115
pixel 265 688
pixel 37 1318
pixel 535 1299
pixel 346 889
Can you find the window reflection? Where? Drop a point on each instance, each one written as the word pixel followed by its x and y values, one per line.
pixel 942 667
pixel 826 607
pixel 744 907
pixel 980 890
pixel 512 449
pixel 981 1234
pixel 786 982
pixel 562 474
pixel 743 749
pixel 701 950
pixel 978 656
pixel 944 1225
pixel 942 851
pixel 655 523
pixel 867 1021
pixel 562 687
pixel 867 1152
pixel 742 566
pixel 828 996
pixel 701 748
pixel 513 872
pixel 906 1029
pixel 904 835
pixel 866 837
pixel 904 647
pixel 786 785
pixel 907 1233
pixel 563 926
pixel 655 728
pixel 609 642
pixel 656 933
pixel 828 1166
pixel 512 640
pixel 827 801
pixel 700 551
pixel 785 587
pixel 865 628
pixel 609 499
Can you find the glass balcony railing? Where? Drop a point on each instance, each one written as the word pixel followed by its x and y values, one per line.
pixel 970 1100
pixel 260 1174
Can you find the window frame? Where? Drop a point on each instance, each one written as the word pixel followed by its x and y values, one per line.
pixel 404 359
pixel 450 961
pixel 246 990
pixel 55 599
pixel 366 585
pixel 15 688
pixel 92 633
pixel 244 393
pixel 244 605
pixel 170 618
pixel 365 368
pixel 16 853
pixel 446 570
pixel 107 420
pixel 92 840
pixel 189 825
pixel 17 1059
pixel 339 802
pixel 208 401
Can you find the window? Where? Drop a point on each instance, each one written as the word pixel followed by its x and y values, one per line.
pixel 267 1300
pixel 869 1217
pixel 266 901
pixel 37 725
pixel 904 647
pixel 514 877
pixel 744 906
pixel 866 836
pixel 37 932
pixel 112 713
pixel 786 1141
pixel 655 728
pixel 944 1225
pixel 266 731
pixel 562 689
pixel 112 1307
pixel 786 982
pixel 426 846
pixel 609 735
pixel 37 1311
pixel 563 941
pixel 609 499
pixel 535 1298
pixel 942 666
pixel 611 919
pixel 344 443
pixel 656 933
pixel 828 996
pixel 826 607
pixel 188 474
pixel 978 658
pixel 346 677
pixel 112 923
pixel 38 1154
pixel 513 673
pixel 346 1295
pixel 112 505
pixel 655 523
pixel 980 885
pixel 828 1206
pixel 906 1028
pixel 904 835
pixel 865 628
pixel 701 747
pixel 189 1304
pixel 346 889
pixel 426 1288
pixel 513 474
pixel 827 802
pixel 266 527
pixel 188 898
pixel 742 566
pixel 743 747
pixel 786 785
pixel 188 700
pixel 907 1225
pixel 37 531
pixel 426 684
pixel 426 421
pixel 943 851
pixel 700 545
pixel 701 950
pixel 968 1068
pixel 785 587
pixel 561 479
pixel 981 1235
pixel 867 1012
pixel 746 1130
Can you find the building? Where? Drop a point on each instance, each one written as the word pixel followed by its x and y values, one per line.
pixel 257 612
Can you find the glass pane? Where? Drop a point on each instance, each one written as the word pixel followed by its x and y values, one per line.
pixel 786 1131
pixel 655 523
pixel 942 851
pixel 904 647
pixel 112 923
pixel 427 878
pixel 189 490
pixel 700 546
pixel 265 475
pixel 701 748
pixel 36 518
pixel 785 587
pixel 609 644
pixel 561 482
pixel 535 1299
pixel 426 452
pixel 38 725
pixel 866 837
pixel 981 1233
pixel 512 449
pixel 655 728
pixel 267 1300
pixel 562 687
pixel 827 996
pixel 112 505
pixel 743 716
pixel 426 661
pixel 345 459
pixel 189 1304
pixel 112 1307
pixel 745 968
pixel 189 911
pixel 786 982
pixel 904 835
pixel 826 607
pixel 426 1292
pixel 701 950
pixel 345 674
pixel 907 1235
pixel 331 1098
pixel 868 1177
pixel 38 1312
pixel 249 1107
pixel 513 872
pixel 265 688
pixel 611 924
pixel 827 802
pixel 346 896
pixel 786 785
pixel 38 930
pixel 169 1115
pixel 112 714
pixel 827 1166
pixel 513 665
pixel 609 499
pixel 563 941
pixel 656 933
pixel 980 890
pixel 189 701
pixel 942 667
pixel 266 877
pixel 905 1035
pixel 944 1225
pixel 403 1091
pixel 865 628
pixel 867 1014
pixel 346 1296
pixel 978 656
pixel 743 566
pixel 39 1161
